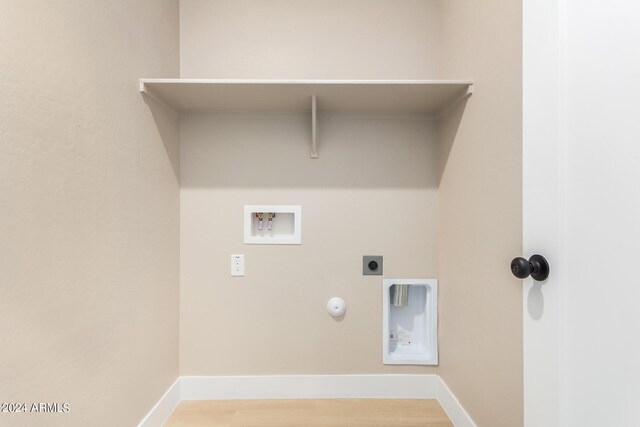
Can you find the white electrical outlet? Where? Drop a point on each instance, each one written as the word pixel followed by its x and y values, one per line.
pixel 237 265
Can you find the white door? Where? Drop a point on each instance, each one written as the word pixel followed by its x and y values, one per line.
pixel 582 211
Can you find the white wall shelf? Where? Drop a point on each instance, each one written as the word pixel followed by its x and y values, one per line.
pixel 386 96
pixel 432 97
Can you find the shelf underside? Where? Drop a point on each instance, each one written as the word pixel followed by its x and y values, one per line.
pixel 368 96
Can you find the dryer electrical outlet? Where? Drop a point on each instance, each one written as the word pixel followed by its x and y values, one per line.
pixel 372 265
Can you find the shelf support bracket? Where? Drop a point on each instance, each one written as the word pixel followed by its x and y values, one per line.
pixel 455 101
pixel 148 92
pixel 314 147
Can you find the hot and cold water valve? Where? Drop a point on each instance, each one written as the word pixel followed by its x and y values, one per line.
pixel 270 216
pixel 283 225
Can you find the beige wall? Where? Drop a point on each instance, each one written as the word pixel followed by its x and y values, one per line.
pixel 89 184
pixel 477 187
pixel 480 217
pixel 328 39
pixel 89 232
pixel 372 191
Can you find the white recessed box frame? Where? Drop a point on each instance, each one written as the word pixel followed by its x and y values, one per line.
pixel 293 238
pixel 428 324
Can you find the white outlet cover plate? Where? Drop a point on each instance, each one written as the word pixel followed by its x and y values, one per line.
pixel 237 265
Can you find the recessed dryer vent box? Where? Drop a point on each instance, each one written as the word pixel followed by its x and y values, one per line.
pixel 285 227
pixel 410 322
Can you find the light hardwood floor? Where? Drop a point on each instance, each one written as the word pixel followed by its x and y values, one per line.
pixel 310 413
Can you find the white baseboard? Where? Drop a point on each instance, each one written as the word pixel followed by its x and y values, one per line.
pixel 452 406
pixel 161 411
pixel 308 387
